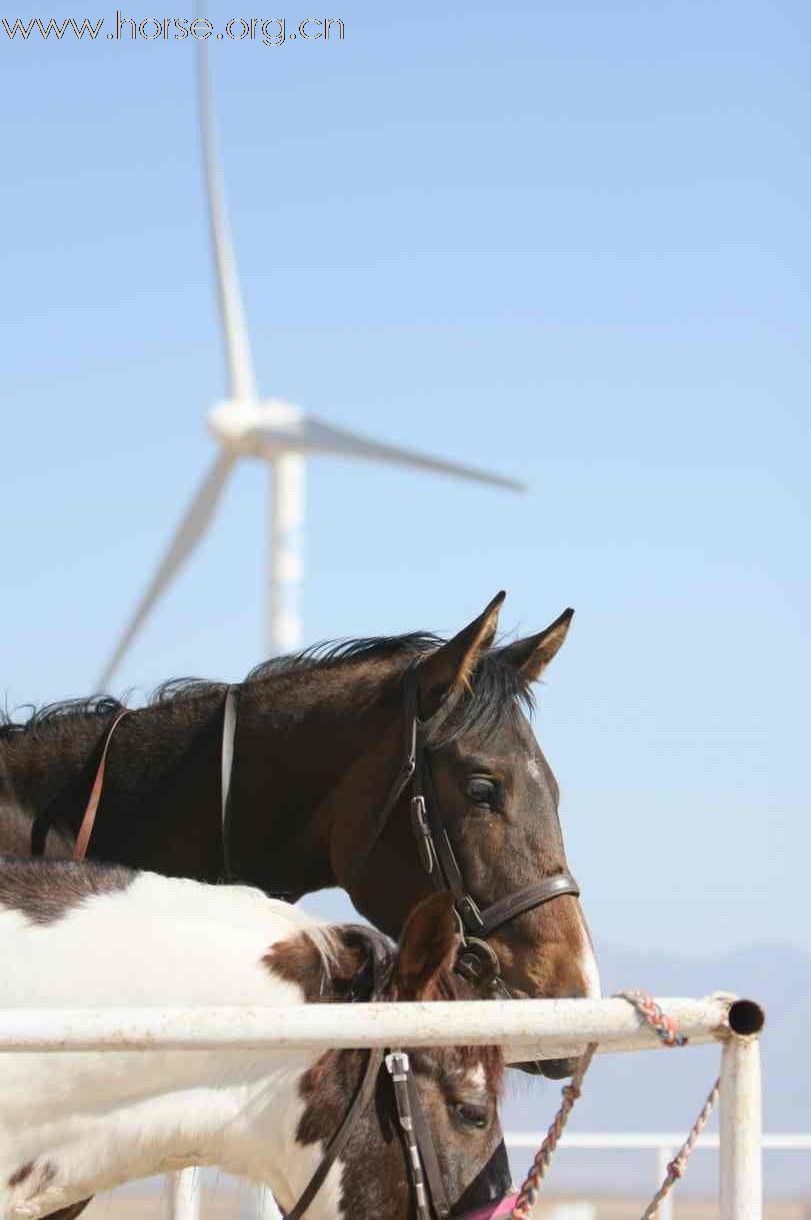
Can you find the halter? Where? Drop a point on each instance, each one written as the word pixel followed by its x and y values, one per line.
pixel 477 960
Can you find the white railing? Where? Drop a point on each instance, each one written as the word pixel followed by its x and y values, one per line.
pixel 546 1029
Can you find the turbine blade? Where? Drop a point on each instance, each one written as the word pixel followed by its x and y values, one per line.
pixel 315 436
pixel 241 380
pixel 188 533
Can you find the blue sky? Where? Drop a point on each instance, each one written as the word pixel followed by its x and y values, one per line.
pixel 566 241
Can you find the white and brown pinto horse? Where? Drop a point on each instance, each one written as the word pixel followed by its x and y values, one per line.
pixel 74 1124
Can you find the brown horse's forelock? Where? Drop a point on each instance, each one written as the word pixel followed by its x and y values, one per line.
pixel 497 689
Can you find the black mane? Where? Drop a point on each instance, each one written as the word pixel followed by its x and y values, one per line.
pixel 331 653
pixel 65 711
pixel 496 690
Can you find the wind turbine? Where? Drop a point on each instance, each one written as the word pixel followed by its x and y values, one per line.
pixel 245 425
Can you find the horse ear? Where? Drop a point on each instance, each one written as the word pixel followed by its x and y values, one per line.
pixel 449 668
pixel 532 655
pixel 428 946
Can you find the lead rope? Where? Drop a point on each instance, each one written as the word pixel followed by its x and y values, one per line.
pixel 665 1028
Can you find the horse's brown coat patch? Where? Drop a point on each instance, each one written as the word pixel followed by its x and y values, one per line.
pixel 296 961
pixel 44 891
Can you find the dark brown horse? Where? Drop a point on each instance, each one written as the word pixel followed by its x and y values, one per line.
pixel 318 745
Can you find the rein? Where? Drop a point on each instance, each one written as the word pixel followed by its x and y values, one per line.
pixel 477 960
pixel 422 1163
pixel 363 1096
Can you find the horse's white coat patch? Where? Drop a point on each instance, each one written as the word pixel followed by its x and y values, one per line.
pixel 534 770
pixel 476 1079
pixel 160 942
pixel 588 964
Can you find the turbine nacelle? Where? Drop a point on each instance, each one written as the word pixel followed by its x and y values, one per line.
pixel 264 428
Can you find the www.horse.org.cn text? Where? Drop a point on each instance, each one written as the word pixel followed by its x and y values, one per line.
pixel 269 31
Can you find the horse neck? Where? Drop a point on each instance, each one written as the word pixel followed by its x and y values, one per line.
pixel 297 735
pixel 50 767
pixel 297 732
pixel 36 762
pixel 149 1112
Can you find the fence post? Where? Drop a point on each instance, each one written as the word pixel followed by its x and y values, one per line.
pixel 257 1203
pixel 664 1155
pixel 741 1186
pixel 184 1194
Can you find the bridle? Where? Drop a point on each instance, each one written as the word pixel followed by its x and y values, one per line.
pixel 477 960
pixel 422 1164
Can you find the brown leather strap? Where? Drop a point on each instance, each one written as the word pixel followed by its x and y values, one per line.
pixel 427 1151
pixel 91 808
pixel 504 909
pixel 400 1071
pixel 362 1098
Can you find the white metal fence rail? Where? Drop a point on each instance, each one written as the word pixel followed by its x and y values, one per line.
pixel 549 1029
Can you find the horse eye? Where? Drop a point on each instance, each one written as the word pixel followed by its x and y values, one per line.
pixel 471 1115
pixel 481 790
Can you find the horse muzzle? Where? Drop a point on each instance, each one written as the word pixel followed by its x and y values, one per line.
pixel 552 1069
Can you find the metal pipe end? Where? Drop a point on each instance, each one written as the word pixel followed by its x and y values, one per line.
pixel 746 1018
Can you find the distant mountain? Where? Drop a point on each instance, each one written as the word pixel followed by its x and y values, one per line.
pixel 663 1090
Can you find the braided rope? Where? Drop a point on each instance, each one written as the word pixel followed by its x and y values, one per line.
pixel 675 1169
pixel 665 1028
pixel 522 1208
pixel 663 1025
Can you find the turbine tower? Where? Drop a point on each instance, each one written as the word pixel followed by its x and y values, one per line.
pixel 245 425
